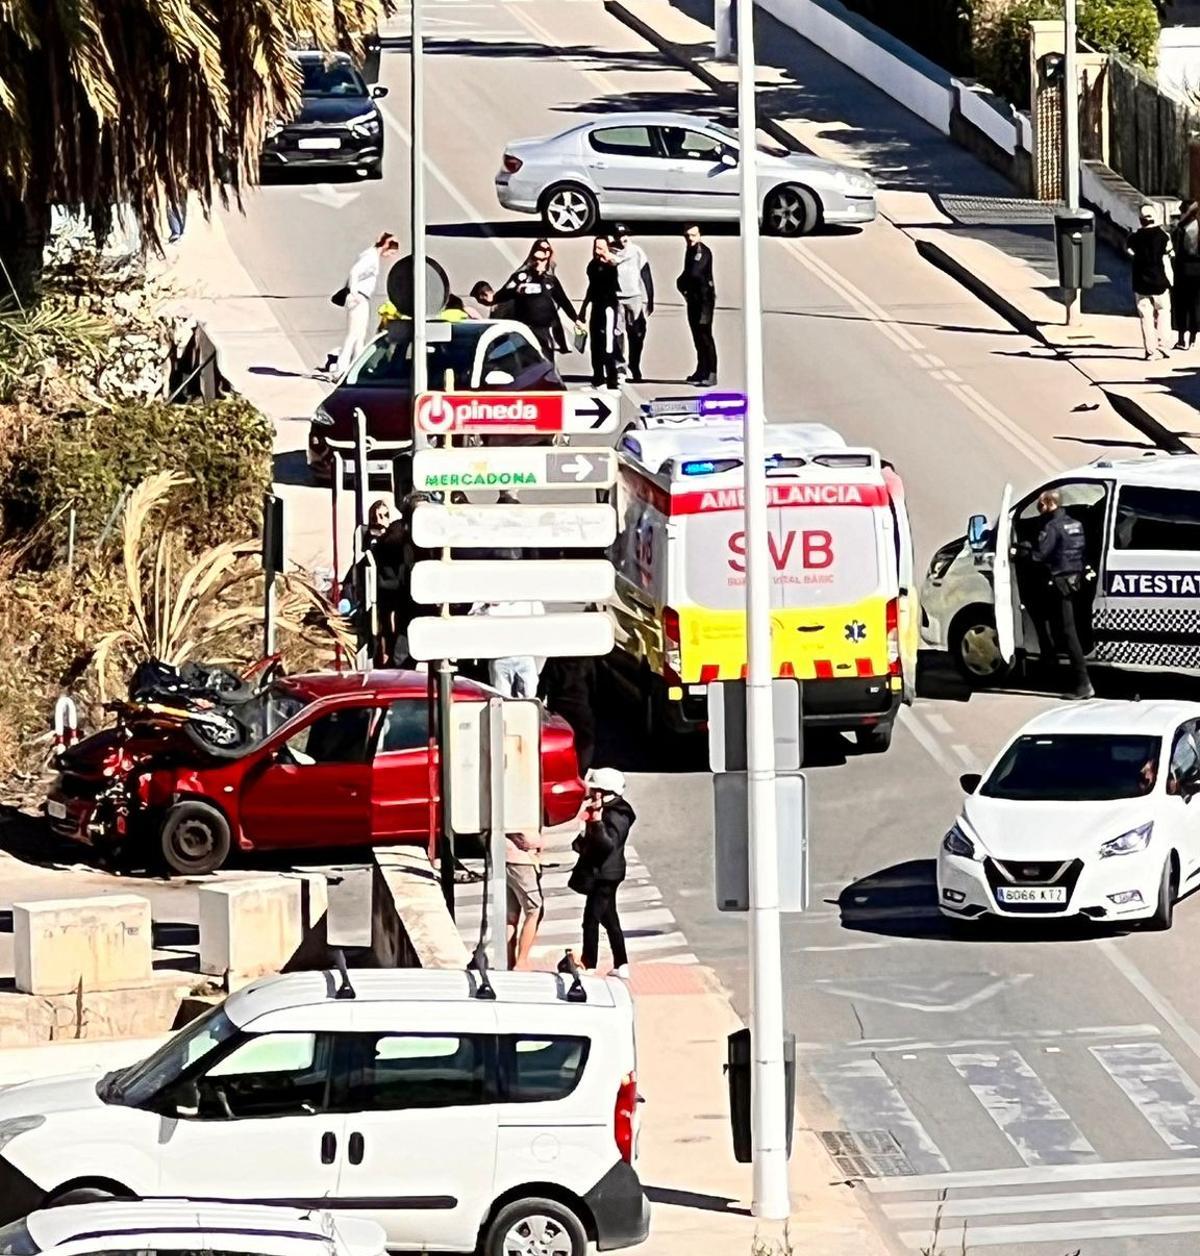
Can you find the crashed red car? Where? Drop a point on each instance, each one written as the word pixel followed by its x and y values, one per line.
pixel 332 759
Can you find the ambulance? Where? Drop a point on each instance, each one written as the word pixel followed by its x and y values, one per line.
pixel 843 609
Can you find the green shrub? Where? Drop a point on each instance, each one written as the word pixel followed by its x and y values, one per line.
pixel 224 448
pixel 1000 38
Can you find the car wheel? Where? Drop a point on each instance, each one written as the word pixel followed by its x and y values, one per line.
pixel 791 211
pixel 975 648
pixel 1168 892
pixel 569 210
pixel 194 838
pixel 541 1226
pixel 874 740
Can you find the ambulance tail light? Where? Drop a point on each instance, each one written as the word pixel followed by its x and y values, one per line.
pixel 893 636
pixel 672 655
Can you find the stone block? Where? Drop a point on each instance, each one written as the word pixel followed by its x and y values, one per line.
pixel 249 928
pixel 103 942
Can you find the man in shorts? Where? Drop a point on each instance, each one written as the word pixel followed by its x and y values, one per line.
pixel 526 902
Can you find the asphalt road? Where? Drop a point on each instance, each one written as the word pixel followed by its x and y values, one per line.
pixel 1019 1072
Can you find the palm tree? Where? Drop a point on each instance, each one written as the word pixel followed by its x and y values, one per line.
pixel 136 103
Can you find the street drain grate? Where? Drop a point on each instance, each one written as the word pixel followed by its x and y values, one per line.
pixel 997 211
pixel 866 1153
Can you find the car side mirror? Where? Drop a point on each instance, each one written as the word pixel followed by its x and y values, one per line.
pixel 970 781
pixel 977 528
pixel 378 92
pixel 497 379
pixel 728 159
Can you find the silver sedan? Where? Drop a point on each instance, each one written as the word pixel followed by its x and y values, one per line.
pixel 671 167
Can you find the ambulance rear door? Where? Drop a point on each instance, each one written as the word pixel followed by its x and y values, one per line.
pixel 906 593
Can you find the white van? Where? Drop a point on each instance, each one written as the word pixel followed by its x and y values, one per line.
pixel 1141 519
pixel 456 1121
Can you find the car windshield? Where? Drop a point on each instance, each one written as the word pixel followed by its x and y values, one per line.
pixel 269 711
pixel 1075 768
pixel 331 78
pixel 15 1240
pixel 387 363
pixel 136 1085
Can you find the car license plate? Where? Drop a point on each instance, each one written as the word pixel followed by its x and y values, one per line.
pixel 56 810
pixel 320 142
pixel 1032 894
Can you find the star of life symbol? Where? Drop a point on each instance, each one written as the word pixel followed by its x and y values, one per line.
pixel 856 631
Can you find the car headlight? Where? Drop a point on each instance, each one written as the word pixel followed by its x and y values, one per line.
pixel 859 182
pixel 366 127
pixel 322 418
pixel 956 842
pixel 17 1125
pixel 1128 843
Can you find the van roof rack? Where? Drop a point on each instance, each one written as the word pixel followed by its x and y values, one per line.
pixel 575 991
pixel 345 990
pixel 484 989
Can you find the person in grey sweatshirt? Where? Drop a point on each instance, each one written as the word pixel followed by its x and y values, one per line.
pixel 635 292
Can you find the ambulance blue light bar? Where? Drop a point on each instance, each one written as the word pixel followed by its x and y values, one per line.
pixel 707 406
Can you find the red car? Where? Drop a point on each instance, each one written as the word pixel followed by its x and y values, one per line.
pixel 470 355
pixel 333 759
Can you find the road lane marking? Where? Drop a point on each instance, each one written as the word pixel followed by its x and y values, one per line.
pixel 1029 1037
pixel 1026 1113
pixel 866 1098
pixel 1146 988
pixel 939 723
pixel 1042 1232
pixel 909 719
pixel 1067 1201
pixel 1042 1175
pixel 1158 1087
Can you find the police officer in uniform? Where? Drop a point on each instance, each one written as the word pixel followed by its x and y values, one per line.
pixel 1061 549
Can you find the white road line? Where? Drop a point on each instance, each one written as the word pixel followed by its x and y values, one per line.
pixel 866 1098
pixel 1146 988
pixel 1159 1088
pixel 1067 1231
pixel 928 742
pixel 847 946
pixel 939 723
pixel 1043 1175
pixel 964 754
pixel 1025 1036
pixel 1026 1112
pixel 1068 1201
pixel 630 922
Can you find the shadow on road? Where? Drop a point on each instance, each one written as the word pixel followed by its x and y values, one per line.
pixel 693 1199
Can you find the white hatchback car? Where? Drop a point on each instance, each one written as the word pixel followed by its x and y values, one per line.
pixel 457 1121
pixel 160 1227
pixel 1088 811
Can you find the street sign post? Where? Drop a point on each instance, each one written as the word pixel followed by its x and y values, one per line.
pixel 471 797
pixel 512 469
pixel 445 413
pixel 590 525
pixel 584 580
pixel 572 634
pixel 727 725
pixel 731 850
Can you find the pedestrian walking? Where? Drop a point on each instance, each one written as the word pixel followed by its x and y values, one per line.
pixel 526 898
pixel 600 868
pixel 696 286
pixel 1185 291
pixel 635 292
pixel 537 296
pixel 1061 549
pixel 1149 251
pixel 391 552
pixel 515 676
pixel 599 312
pixel 568 686
pixel 355 298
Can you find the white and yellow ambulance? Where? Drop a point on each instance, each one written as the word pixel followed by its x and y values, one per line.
pixel 843 605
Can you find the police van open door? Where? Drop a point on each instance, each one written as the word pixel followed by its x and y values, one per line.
pixel 907 602
pixel 1009 617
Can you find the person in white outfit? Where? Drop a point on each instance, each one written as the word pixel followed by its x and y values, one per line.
pixel 516 676
pixel 360 289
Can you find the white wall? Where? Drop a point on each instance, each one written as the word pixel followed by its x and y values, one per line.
pixel 926 98
pixel 1114 198
pixel 975 105
pixel 1179 58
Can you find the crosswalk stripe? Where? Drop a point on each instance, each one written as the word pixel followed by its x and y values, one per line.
pixel 867 1099
pixel 1076 1201
pixel 1158 1087
pixel 1042 1175
pixel 654 918
pixel 1067 1231
pixel 1026 1112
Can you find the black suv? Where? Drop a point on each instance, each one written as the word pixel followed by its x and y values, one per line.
pixel 339 123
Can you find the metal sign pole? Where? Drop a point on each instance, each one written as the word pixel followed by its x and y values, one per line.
pixel 360 468
pixel 768 1088
pixel 417 155
pixel 497 925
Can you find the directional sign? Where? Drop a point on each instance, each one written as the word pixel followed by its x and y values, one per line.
pixel 592 525
pixel 512 469
pixel 562 580
pixel 439 413
pixel 571 635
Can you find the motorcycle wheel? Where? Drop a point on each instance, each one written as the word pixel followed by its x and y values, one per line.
pixel 200 736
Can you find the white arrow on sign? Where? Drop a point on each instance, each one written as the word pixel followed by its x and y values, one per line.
pixel 572 635
pixel 579 468
pixel 583 580
pixel 510 468
pixel 588 526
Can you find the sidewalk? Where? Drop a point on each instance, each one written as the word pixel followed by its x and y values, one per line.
pixel 961 215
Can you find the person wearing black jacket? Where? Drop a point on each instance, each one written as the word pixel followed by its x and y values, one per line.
pixel 1061 549
pixel 537 296
pixel 696 286
pixel 600 868
pixel 568 686
pixel 604 302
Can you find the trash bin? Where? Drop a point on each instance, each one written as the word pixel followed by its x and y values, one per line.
pixel 738 1071
pixel 1075 244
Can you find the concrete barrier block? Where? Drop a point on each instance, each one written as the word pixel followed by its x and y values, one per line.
pixel 249 928
pixel 105 942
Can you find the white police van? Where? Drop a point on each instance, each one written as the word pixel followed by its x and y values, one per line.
pixel 1141 519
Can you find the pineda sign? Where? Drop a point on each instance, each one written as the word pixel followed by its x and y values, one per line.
pixel 441 414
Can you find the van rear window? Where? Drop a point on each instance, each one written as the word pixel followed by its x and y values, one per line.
pixel 817 556
pixel 540 1070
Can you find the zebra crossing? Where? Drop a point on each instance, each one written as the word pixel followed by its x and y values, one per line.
pixel 652 934
pixel 1042 1111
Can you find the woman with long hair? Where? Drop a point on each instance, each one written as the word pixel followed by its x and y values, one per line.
pixel 537 297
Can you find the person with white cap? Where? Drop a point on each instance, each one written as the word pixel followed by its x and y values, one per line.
pixel 600 869
pixel 1149 250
